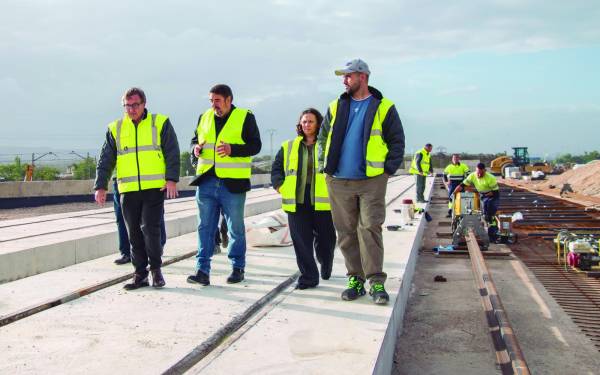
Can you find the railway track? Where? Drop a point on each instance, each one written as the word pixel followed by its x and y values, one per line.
pixel 578 293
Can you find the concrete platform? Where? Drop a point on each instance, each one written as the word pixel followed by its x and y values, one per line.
pixel 36 245
pixel 311 331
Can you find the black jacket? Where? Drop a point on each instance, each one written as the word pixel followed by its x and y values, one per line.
pixel 252 146
pixel 108 155
pixel 393 133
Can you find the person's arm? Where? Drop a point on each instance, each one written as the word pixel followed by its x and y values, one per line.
pixel 170 150
pixel 251 137
pixel 393 136
pixel 195 148
pixel 322 140
pixel 104 168
pixel 106 162
pixel 418 159
pixel 277 171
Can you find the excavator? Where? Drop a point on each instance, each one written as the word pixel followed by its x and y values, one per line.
pixel 520 159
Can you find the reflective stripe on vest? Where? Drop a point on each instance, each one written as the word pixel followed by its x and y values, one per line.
pixel 456 172
pixel 139 147
pixel 377 149
pixel 225 166
pixel 288 188
pixel 425 162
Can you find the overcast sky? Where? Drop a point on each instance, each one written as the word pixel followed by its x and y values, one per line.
pixel 475 76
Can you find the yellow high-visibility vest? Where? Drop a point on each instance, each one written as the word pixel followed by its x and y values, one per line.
pixel 140 160
pixel 225 166
pixel 425 162
pixel 288 188
pixel 456 172
pixel 377 149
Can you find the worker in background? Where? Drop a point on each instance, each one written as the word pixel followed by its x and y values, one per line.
pixel 487 186
pixel 454 174
pixel 144 148
pixel 295 175
pixel 225 139
pixel 421 167
pixel 361 144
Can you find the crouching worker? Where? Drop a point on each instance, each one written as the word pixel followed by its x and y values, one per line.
pixel 487 186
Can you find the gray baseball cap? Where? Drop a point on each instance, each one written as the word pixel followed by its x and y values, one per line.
pixel 356 65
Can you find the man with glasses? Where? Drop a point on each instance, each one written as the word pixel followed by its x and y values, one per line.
pixel 144 148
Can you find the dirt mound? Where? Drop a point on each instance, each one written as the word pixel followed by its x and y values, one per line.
pixel 583 180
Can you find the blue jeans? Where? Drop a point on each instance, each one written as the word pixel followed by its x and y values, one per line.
pixel 213 197
pixel 124 245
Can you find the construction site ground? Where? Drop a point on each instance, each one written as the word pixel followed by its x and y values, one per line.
pixel 445 330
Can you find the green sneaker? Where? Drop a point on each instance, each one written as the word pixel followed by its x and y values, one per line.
pixel 356 288
pixel 380 296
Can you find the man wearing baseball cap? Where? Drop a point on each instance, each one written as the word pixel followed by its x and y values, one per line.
pixel 361 143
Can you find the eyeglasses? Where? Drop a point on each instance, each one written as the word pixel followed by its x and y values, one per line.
pixel 132 106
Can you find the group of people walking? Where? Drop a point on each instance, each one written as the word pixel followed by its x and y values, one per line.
pixel 332 177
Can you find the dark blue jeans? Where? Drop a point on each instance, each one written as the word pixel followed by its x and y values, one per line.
pixel 213 197
pixel 490 207
pixel 124 245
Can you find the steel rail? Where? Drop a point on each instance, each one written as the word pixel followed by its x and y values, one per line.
pixel 497 317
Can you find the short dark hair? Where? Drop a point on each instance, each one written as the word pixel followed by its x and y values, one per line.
pixel 480 166
pixel 305 112
pixel 428 145
pixel 223 90
pixel 134 91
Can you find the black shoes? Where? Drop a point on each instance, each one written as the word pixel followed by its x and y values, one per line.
pixel 356 288
pixel 302 286
pixel 378 293
pixel 124 259
pixel 158 281
pixel 199 278
pixel 422 201
pixel 326 271
pixel 137 282
pixel 236 276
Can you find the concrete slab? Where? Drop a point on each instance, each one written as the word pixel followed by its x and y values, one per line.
pixel 148 330
pixel 36 245
pixel 315 332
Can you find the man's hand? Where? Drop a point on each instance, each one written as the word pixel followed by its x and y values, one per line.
pixel 171 188
pixel 100 197
pixel 224 149
pixel 198 149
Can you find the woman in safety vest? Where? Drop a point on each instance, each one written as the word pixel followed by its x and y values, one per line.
pixel 304 197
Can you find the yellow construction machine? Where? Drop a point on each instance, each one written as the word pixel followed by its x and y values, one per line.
pixel 520 159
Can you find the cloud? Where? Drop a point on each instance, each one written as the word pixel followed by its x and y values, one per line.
pixel 73 59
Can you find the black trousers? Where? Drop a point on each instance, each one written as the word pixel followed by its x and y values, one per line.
pixel 143 211
pixel 312 231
